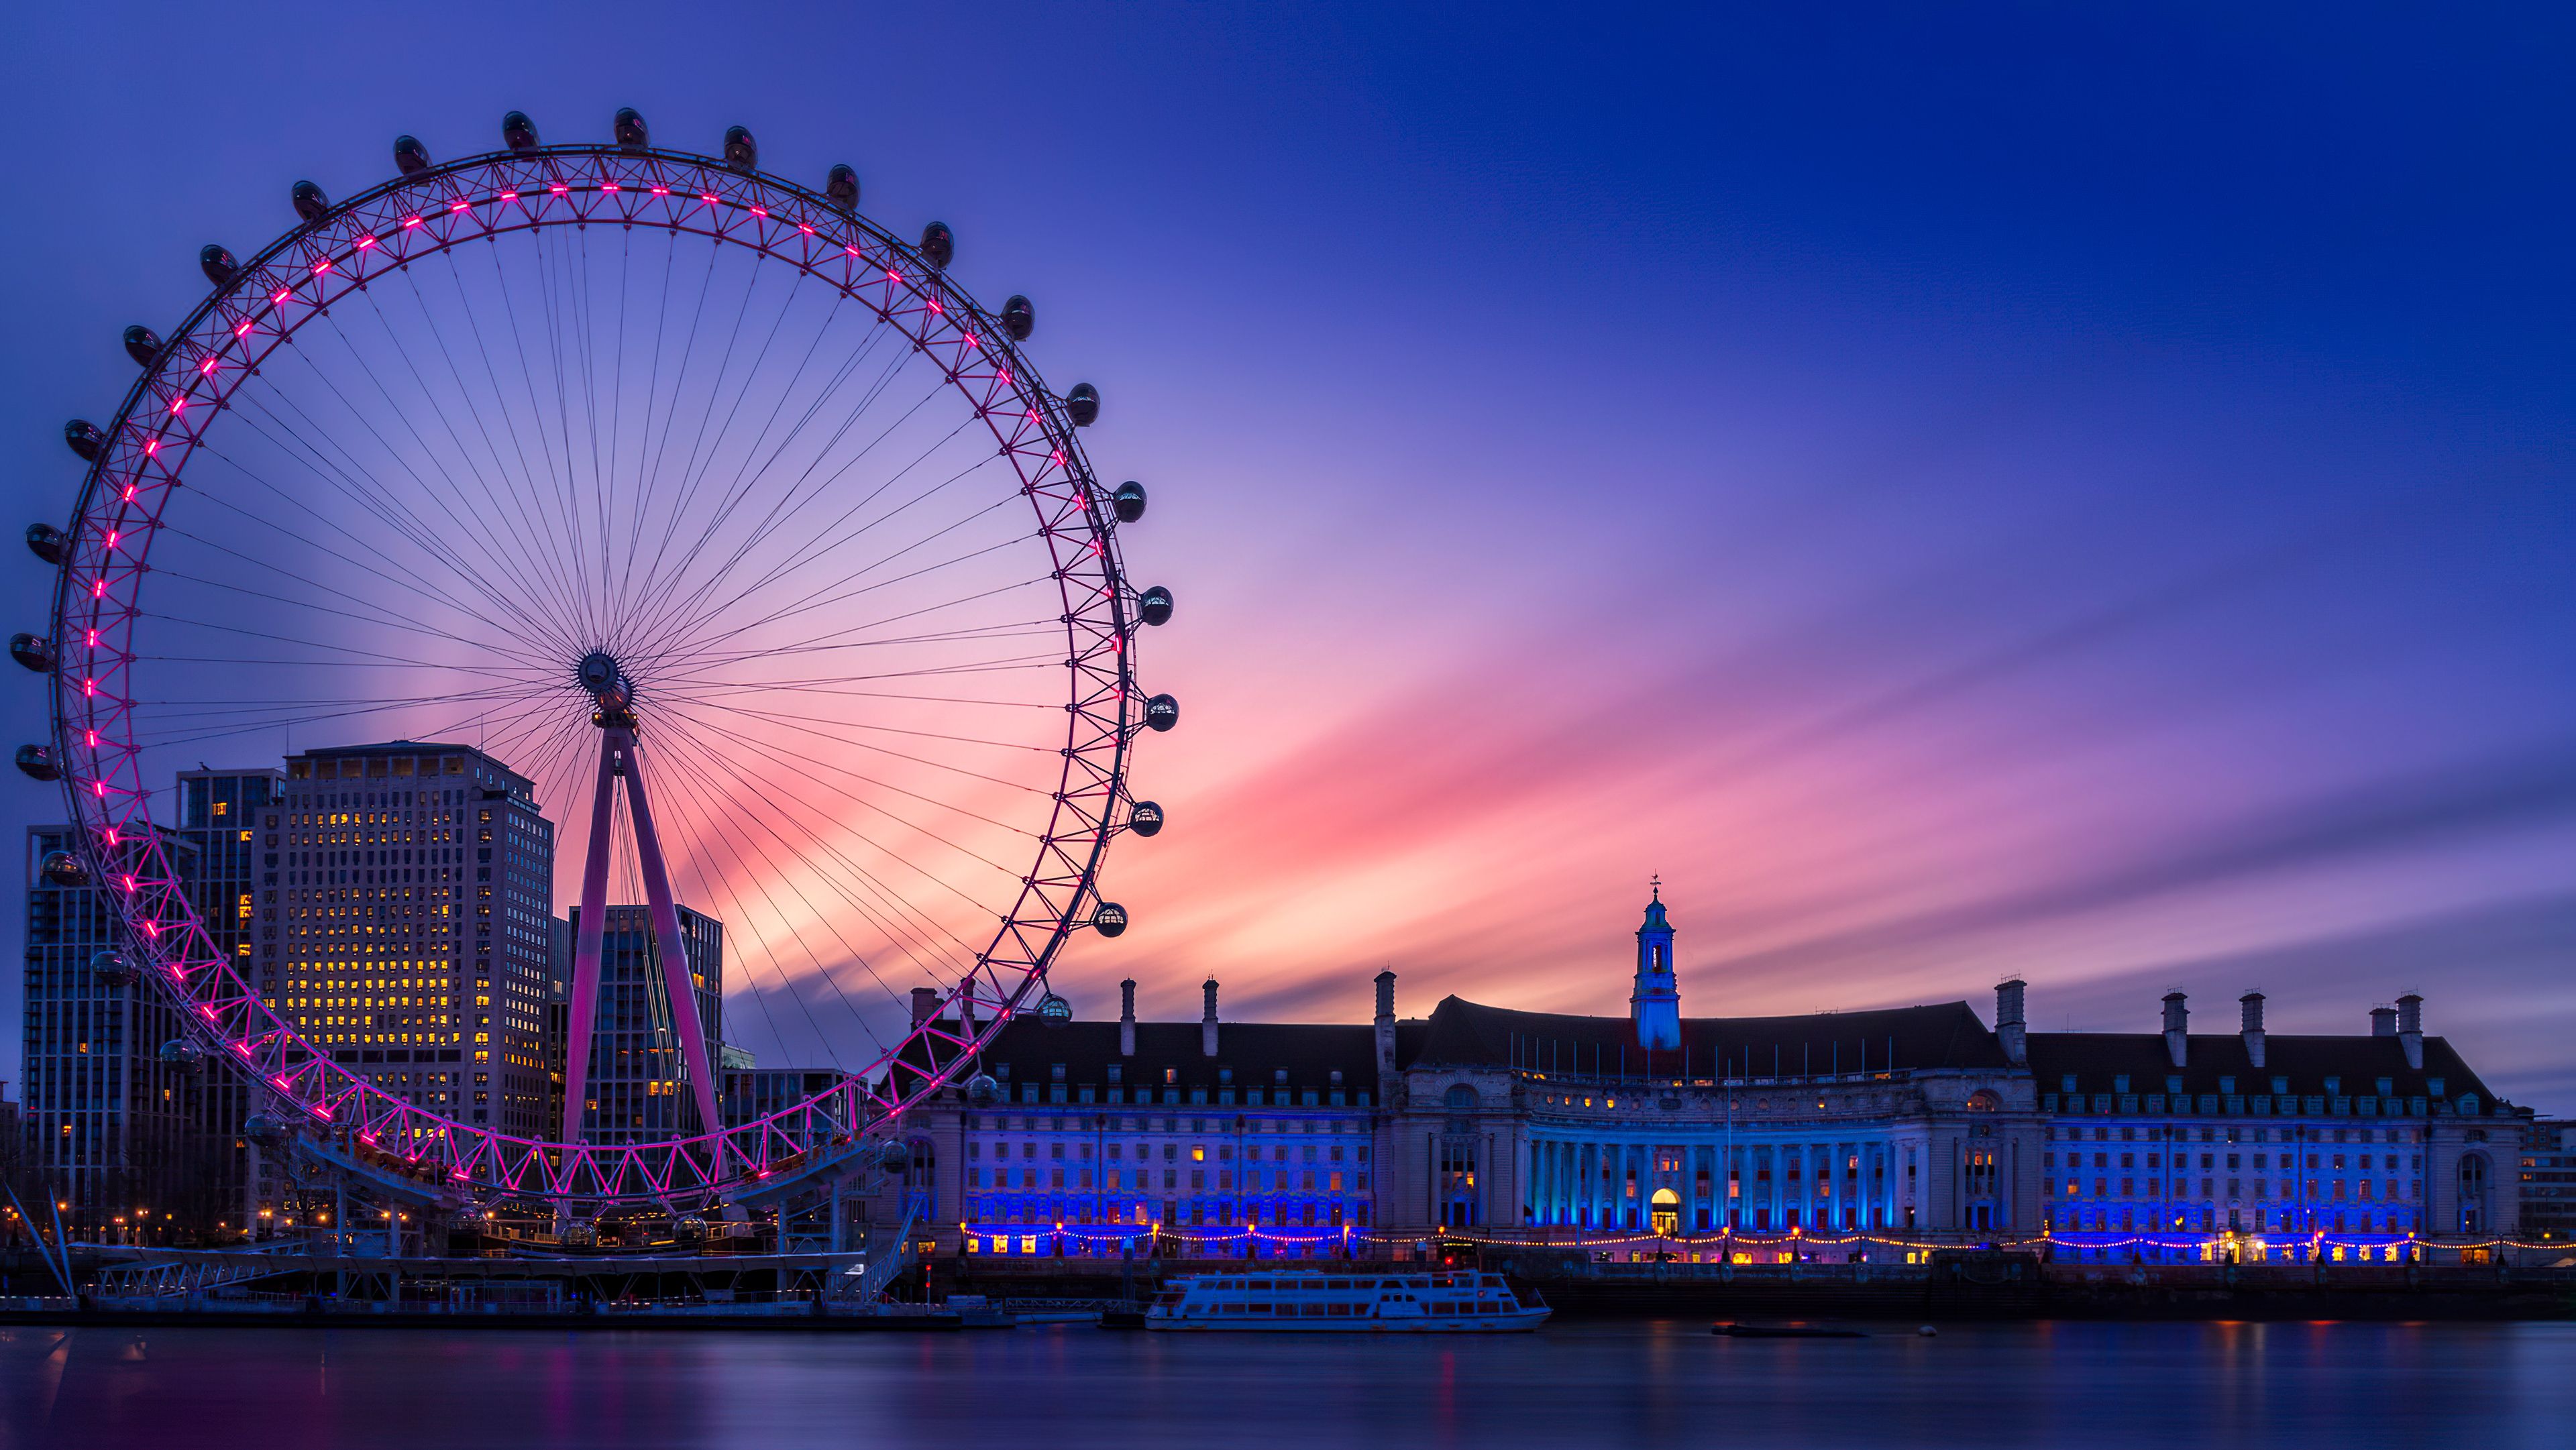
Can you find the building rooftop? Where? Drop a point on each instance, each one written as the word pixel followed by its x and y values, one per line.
pixel 1945 1035
pixel 1030 1048
pixel 2357 1061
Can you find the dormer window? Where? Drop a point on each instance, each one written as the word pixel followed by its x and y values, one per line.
pixel 2173 1084
pixel 1279 1075
pixel 2433 1086
pixel 1225 1074
pixel 2067 1084
pixel 2334 1087
pixel 1113 1071
pixel 2227 1085
pixel 2120 1083
pixel 2280 1087
pixel 1056 1072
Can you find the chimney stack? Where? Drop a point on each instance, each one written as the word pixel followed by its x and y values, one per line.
pixel 2252 1003
pixel 1127 1018
pixel 2410 1029
pixel 2010 1028
pixel 1386 1024
pixel 2177 1029
pixel 1207 1021
pixel 2383 1021
pixel 925 1001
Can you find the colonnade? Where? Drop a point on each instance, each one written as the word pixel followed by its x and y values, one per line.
pixel 1769 1183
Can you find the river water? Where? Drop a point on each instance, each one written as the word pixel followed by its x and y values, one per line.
pixel 1613 1383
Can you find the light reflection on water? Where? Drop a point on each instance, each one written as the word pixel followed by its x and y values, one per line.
pixel 1576 1384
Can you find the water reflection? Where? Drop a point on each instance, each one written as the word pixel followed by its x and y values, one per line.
pixel 1578 1384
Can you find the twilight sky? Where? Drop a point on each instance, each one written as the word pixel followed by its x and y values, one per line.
pixel 2080 492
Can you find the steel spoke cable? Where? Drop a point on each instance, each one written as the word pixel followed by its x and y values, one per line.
pixel 394 578
pixel 399 457
pixel 410 528
pixel 723 763
pixel 365 611
pixel 898 908
pixel 463 511
pixel 698 438
pixel 548 567
pixel 701 835
pixel 523 540
pixel 814 644
pixel 371 496
pixel 753 468
pixel 893 369
pixel 256 726
pixel 701 465
pixel 555 475
pixel 526 627
pixel 849 589
pixel 720 886
pixel 794 758
pixel 651 472
pixel 822 543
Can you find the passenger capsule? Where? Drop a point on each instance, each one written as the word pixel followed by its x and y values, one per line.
pixel 1162 712
pixel 32 650
pixel 116 969
pixel 842 186
pixel 1109 918
pixel 217 264
pixel 982 1090
pixel 580 1235
pixel 1019 318
pixel 518 132
pixel 264 1130
pixel 410 157
pixel 1154 606
pixel 938 245
pixel 632 134
pixel 689 1230
pixel 1145 819
pixel 48 543
pixel 895 1156
pixel 62 868
pixel 142 344
pixel 740 151
pixel 1128 501
pixel 37 763
pixel 1082 405
pixel 84 438
pixel 310 203
pixel 180 1053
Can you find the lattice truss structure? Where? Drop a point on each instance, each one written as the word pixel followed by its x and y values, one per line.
pixel 429 458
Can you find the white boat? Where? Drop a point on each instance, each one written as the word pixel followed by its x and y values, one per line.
pixel 1457 1301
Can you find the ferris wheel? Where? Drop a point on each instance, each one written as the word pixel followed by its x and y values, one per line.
pixel 727 531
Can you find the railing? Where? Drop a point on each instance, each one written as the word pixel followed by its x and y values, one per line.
pixel 174 1278
pixel 893 1259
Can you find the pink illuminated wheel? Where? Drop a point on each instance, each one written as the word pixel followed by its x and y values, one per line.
pixel 727 521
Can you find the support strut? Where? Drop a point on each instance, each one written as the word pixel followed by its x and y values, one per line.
pixel 618 756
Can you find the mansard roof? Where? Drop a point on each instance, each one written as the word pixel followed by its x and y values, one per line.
pixel 2356 1061
pixel 1943 1035
pixel 1028 1049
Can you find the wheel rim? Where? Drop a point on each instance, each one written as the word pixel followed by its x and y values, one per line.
pixel 173 421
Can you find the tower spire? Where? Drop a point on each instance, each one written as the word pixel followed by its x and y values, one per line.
pixel 1656 1004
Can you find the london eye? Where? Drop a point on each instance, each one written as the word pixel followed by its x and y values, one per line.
pixel 684 502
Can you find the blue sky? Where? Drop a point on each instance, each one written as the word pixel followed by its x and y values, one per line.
pixel 2080 491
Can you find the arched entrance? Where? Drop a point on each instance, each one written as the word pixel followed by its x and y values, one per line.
pixel 1667 1208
